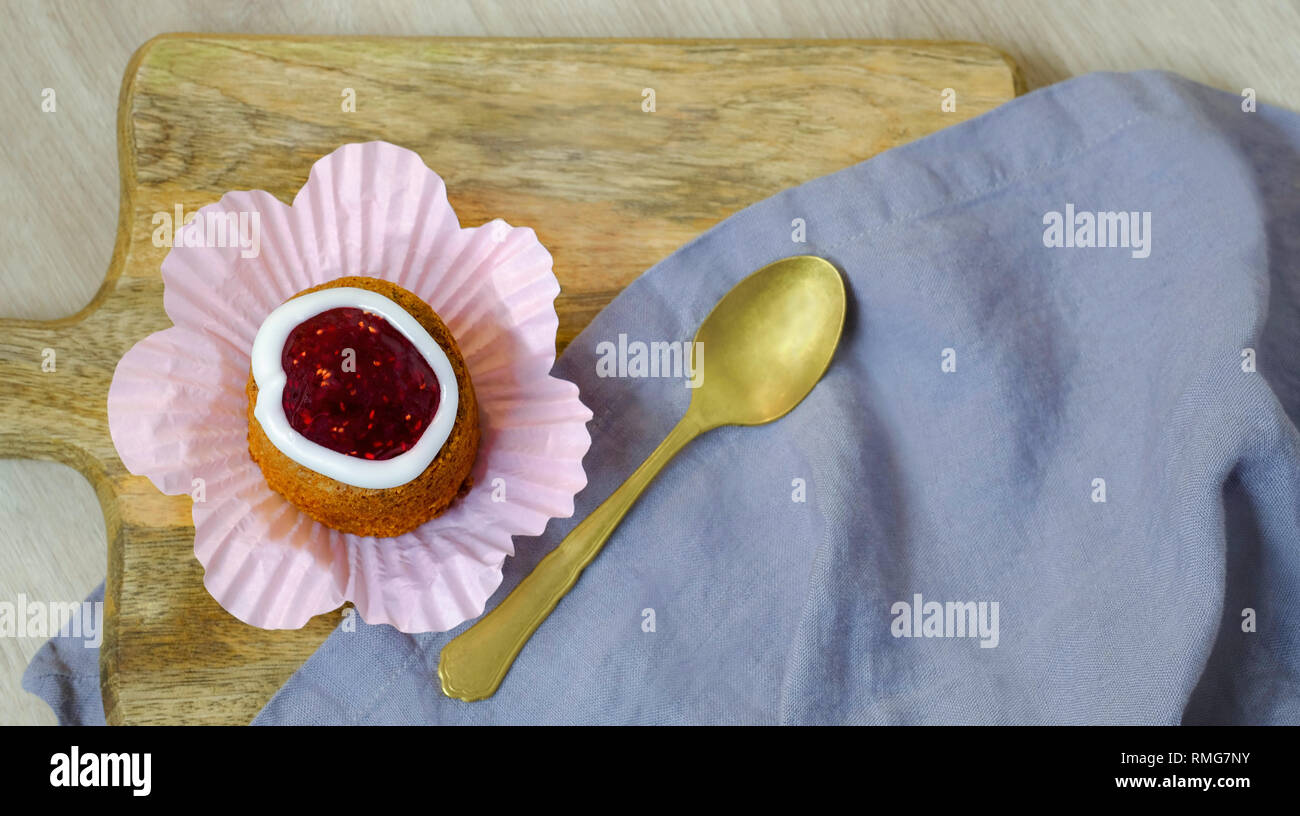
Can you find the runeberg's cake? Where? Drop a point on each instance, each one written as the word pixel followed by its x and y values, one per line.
pixel 360 410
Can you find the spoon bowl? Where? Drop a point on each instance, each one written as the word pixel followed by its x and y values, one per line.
pixel 768 341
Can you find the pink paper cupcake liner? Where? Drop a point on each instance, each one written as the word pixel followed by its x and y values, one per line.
pixel 177 407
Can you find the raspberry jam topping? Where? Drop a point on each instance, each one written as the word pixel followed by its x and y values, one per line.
pixel 356 385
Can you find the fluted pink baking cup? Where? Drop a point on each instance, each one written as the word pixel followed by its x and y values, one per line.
pixel 177 407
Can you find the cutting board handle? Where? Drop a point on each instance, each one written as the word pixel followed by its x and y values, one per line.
pixel 48 399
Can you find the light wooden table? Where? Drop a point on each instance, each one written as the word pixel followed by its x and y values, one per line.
pixel 59 182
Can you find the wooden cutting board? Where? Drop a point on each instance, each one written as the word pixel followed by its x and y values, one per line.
pixel 552 134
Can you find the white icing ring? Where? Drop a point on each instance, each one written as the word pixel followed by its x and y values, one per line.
pixel 270 377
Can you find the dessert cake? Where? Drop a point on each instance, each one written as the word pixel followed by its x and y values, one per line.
pixel 360 410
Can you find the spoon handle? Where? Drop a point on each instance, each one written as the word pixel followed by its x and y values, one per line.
pixel 473 664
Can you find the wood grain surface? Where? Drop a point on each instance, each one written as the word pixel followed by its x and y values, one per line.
pixel 549 134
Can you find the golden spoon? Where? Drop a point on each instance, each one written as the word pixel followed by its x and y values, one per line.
pixel 769 340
